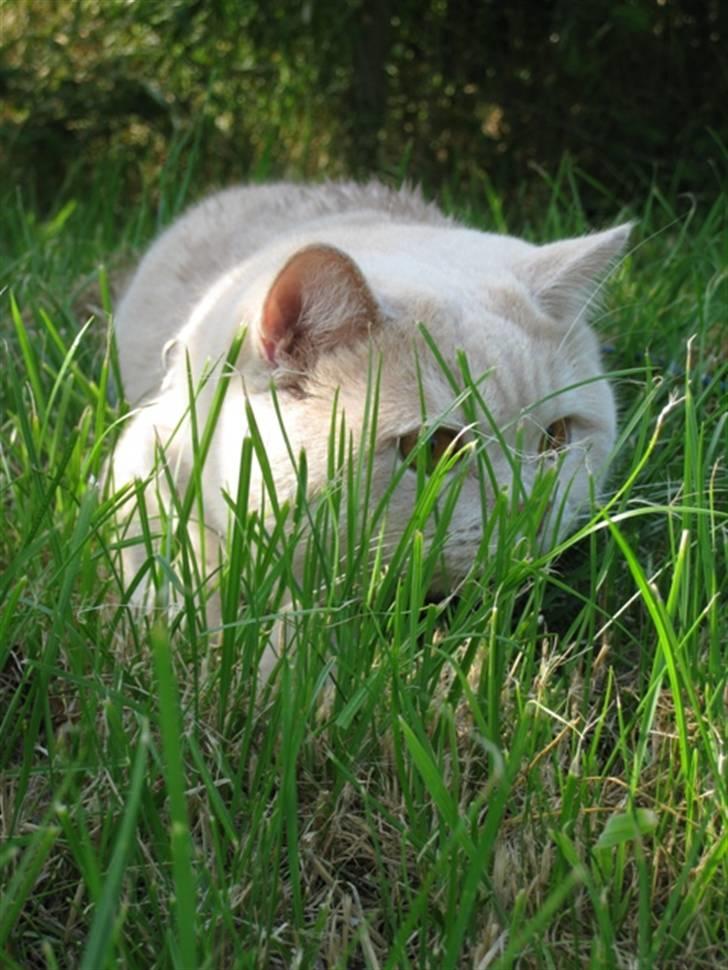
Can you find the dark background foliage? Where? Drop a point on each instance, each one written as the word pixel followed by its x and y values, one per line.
pixel 438 90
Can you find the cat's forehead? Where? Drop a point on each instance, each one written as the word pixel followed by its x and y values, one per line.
pixel 443 293
pixel 517 362
pixel 492 318
pixel 432 262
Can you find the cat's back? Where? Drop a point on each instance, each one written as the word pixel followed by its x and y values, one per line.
pixel 221 232
pixel 269 210
pixel 231 225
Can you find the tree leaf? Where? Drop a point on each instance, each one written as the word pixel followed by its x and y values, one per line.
pixel 626 827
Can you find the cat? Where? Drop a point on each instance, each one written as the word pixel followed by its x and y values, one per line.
pixel 328 278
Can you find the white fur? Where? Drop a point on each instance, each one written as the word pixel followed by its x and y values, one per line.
pixel 517 310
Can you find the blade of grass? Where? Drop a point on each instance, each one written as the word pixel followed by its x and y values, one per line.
pixel 174 774
pixel 100 938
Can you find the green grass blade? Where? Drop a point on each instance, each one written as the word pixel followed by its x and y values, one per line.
pixel 174 775
pixel 100 936
pixel 18 890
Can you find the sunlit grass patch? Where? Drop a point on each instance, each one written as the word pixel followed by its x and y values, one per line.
pixel 531 771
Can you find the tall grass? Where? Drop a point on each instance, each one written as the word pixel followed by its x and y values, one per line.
pixel 530 774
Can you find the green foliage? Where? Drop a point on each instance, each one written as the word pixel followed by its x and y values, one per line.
pixel 465 90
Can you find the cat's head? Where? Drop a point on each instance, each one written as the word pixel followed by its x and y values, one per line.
pixel 534 399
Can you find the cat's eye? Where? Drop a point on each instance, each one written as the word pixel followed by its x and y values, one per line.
pixel 556 436
pixel 434 447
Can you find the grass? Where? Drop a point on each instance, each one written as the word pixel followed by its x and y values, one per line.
pixel 532 775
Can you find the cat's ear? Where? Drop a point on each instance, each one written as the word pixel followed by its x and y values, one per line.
pixel 565 276
pixel 319 300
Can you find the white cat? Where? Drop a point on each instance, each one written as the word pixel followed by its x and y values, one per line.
pixel 328 279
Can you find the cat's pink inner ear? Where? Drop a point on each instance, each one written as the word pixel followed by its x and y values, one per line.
pixel 281 315
pixel 318 300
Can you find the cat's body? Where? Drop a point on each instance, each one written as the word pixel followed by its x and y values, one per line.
pixel 332 279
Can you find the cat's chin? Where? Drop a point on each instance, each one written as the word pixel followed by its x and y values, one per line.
pixel 548 537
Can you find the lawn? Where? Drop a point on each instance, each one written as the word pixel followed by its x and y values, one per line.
pixel 531 774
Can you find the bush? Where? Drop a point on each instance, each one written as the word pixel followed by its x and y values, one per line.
pixel 435 90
